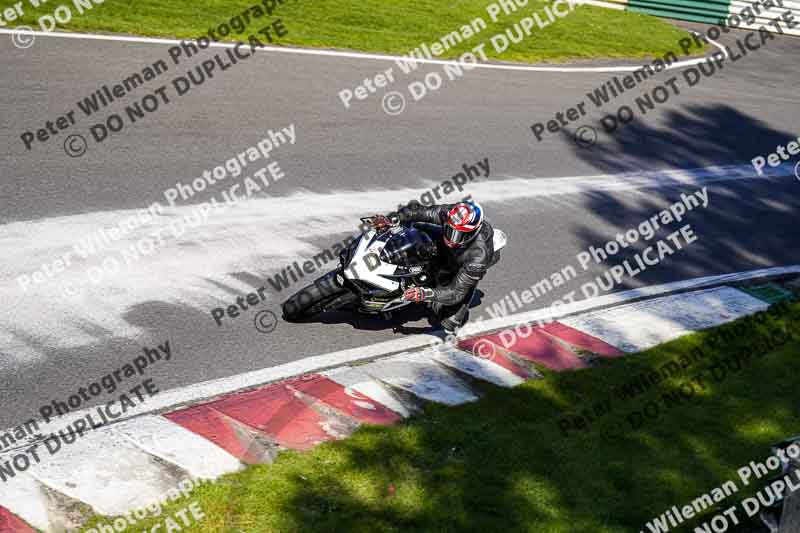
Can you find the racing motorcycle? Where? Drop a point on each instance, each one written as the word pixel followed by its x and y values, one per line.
pixel 375 270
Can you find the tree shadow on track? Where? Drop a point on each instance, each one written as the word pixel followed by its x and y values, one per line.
pixel 694 136
pixel 747 224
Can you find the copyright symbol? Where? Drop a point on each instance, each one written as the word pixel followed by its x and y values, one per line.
pixel 585 136
pixel 393 103
pixel 483 349
pixel 68 290
pixel 266 321
pixel 75 145
pixel 23 37
pixel 797 170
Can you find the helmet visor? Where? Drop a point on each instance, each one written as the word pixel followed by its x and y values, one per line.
pixel 455 238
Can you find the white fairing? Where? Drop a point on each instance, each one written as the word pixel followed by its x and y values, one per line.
pixel 499 239
pixel 367 266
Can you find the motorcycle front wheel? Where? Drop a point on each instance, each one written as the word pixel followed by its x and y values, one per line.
pixel 324 294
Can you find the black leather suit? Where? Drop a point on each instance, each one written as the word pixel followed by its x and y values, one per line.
pixel 466 265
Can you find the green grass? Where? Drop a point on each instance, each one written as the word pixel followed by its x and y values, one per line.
pixel 387 26
pixel 503 464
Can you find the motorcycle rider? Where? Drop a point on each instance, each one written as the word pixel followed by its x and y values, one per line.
pixel 468 252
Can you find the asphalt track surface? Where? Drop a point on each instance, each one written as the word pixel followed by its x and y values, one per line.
pixel 346 163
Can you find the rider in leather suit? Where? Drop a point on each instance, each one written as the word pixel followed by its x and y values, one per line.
pixel 466 250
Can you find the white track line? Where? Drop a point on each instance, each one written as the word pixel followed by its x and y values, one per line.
pixel 638 326
pixel 353 55
pixel 554 313
pixel 209 389
pixel 715 43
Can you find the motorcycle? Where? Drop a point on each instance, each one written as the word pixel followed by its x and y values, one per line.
pixel 375 270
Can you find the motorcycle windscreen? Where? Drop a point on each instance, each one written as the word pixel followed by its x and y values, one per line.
pixel 409 248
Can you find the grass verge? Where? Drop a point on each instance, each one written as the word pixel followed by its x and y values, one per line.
pixel 511 462
pixel 383 26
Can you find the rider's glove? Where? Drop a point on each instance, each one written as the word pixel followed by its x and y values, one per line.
pixel 418 294
pixel 380 222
